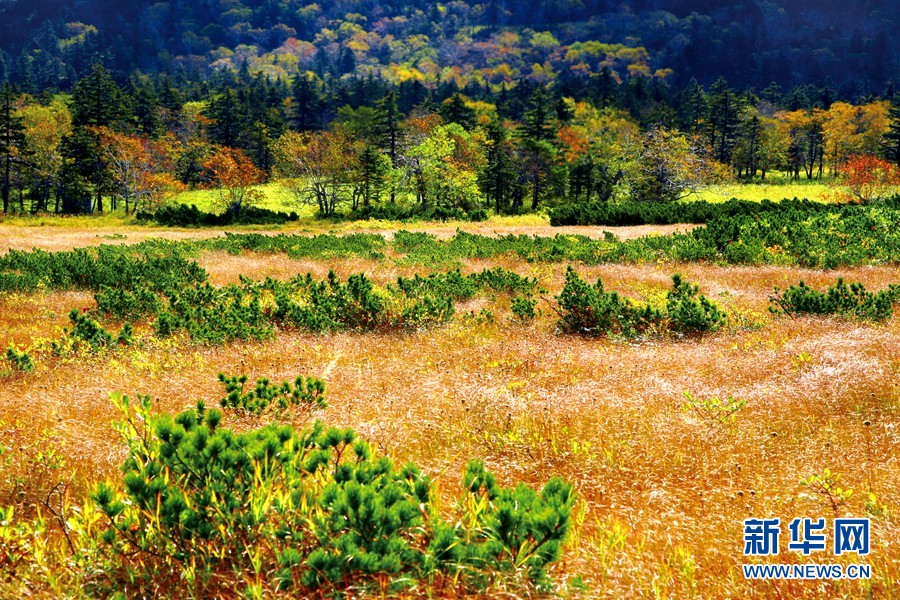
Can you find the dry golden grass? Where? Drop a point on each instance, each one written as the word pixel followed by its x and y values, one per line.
pixel 55 237
pixel 663 491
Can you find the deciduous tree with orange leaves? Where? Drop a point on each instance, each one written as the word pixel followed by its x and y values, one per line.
pixel 233 175
pixel 866 178
pixel 140 169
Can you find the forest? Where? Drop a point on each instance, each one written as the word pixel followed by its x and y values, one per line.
pixel 385 153
pixel 445 107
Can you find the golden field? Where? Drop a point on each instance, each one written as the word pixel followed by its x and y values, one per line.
pixel 662 488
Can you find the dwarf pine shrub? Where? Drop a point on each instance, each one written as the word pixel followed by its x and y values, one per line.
pixel 19 359
pixel 840 299
pixel 591 310
pixel 306 393
pixel 122 303
pixel 523 307
pixel 203 510
pixel 689 311
pixel 87 330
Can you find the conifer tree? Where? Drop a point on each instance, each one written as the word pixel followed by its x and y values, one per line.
pixel 228 119
pixel 307 108
pixel 12 138
pixel 892 137
pixel 499 174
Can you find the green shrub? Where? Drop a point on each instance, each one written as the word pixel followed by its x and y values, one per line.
pixel 305 393
pixel 523 307
pixel 121 303
pixel 87 330
pixel 689 311
pixel 95 268
pixel 126 335
pixel 840 299
pixel 667 213
pixel 590 310
pixel 182 215
pixel 19 359
pixel 215 315
pixel 202 510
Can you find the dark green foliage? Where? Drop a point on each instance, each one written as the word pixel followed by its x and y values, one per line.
pixel 181 215
pixel 689 311
pixel 400 212
pixel 96 268
pixel 523 307
pixel 591 310
pixel 319 509
pixel 366 245
pixel 840 299
pixel 668 213
pixel 19 359
pixel 121 303
pixel 328 305
pixel 126 335
pixel 307 393
pixel 87 330
pixel 521 528
pixel 216 315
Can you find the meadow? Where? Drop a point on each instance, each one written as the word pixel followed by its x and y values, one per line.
pixel 277 197
pixel 672 426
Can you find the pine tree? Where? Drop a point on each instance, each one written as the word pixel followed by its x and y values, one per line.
pixel 307 109
pixel 500 172
pixel 892 137
pixel 390 129
pixel 228 119
pixel 537 124
pixel 97 101
pixel 12 138
pixel 454 110
pixel 722 120
pixel 372 170
pixel 537 151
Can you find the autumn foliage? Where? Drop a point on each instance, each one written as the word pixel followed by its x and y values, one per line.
pixel 234 175
pixel 866 178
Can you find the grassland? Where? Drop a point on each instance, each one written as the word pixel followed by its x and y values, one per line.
pixel 276 197
pixel 775 187
pixel 663 484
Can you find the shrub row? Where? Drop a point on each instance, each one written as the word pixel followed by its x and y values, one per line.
pixel 155 265
pixel 182 215
pixel 840 299
pixel 669 213
pixel 399 212
pixel 590 310
pixel 252 310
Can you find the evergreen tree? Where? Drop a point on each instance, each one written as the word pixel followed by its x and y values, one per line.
pixel 389 129
pixel 373 167
pixel 454 110
pixel 307 109
pixel 228 119
pixel 12 138
pixel 535 148
pixel 697 107
pixel 499 175
pixel 722 121
pixel 537 125
pixel 146 109
pixel 892 136
pixel 97 101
